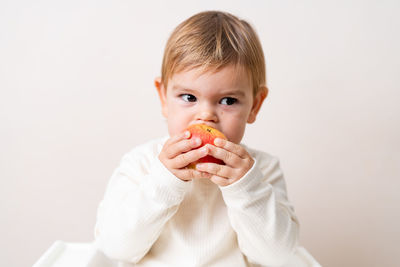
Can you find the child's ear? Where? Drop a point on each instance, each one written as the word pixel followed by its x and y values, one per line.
pixel 162 94
pixel 257 103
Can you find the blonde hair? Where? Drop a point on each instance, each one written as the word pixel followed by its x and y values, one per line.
pixel 211 40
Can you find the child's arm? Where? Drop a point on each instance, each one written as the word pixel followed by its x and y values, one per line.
pixel 135 208
pixel 261 214
pixel 140 198
pixel 254 191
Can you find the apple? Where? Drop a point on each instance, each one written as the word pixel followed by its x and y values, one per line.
pixel 207 135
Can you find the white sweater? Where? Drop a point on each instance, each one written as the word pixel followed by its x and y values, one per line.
pixel 149 217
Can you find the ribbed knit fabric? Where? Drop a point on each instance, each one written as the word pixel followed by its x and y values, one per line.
pixel 149 217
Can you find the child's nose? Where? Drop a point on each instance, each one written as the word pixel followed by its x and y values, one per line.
pixel 207 113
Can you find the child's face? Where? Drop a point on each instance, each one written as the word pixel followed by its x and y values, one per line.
pixel 223 100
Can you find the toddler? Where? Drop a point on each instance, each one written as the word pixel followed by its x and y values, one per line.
pixel 158 212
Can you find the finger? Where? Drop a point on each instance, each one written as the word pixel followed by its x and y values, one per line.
pixel 173 140
pixel 216 169
pixel 185 159
pixel 232 147
pixel 178 137
pixel 190 174
pixel 221 181
pixel 183 146
pixel 226 156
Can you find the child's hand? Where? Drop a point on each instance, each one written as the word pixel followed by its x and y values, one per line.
pixel 177 153
pixel 238 162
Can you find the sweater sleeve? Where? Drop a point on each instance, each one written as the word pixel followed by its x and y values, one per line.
pixel 260 213
pixel 139 200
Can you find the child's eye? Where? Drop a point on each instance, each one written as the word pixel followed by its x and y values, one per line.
pixel 228 101
pixel 188 97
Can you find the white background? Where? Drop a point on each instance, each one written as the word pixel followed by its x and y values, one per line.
pixel 76 93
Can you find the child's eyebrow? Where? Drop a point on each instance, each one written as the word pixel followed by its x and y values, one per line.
pixel 231 92
pixel 234 93
pixel 180 87
pixel 184 89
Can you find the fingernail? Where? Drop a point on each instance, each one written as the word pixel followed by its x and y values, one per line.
pixel 217 141
pixel 197 141
pixel 187 134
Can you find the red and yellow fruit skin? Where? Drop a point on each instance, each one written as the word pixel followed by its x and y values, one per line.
pixel 207 134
